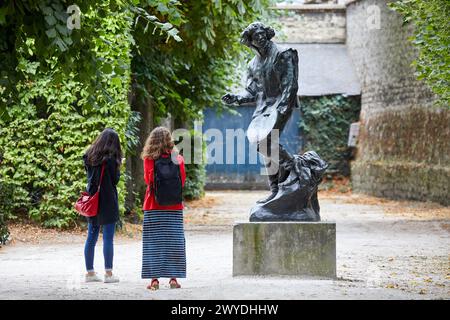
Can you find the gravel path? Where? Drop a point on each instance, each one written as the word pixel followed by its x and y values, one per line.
pixel 379 256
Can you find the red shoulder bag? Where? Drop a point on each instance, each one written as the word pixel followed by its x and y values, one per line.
pixel 87 205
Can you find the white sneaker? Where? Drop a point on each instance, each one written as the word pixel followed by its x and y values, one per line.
pixel 92 278
pixel 111 279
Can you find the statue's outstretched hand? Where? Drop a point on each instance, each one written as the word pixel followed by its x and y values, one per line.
pixel 283 109
pixel 230 98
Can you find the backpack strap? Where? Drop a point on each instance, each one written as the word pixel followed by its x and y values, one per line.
pixel 152 184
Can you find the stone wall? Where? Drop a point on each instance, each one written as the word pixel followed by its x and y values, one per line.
pixel 312 23
pixel 404 149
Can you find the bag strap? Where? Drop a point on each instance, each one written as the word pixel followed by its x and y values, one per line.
pixel 101 177
pixel 152 185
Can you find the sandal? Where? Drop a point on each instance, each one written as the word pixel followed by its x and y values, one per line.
pixel 154 285
pixel 174 284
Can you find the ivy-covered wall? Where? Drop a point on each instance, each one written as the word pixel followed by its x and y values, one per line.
pixel 403 149
pixel 431 39
pixel 324 126
pixel 56 105
pixel 5 209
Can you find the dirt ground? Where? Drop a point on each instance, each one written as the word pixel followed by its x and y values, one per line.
pixel 385 250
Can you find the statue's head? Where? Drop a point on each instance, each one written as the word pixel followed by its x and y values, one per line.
pixel 257 35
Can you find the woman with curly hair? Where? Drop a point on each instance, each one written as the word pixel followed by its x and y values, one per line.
pixel 164 252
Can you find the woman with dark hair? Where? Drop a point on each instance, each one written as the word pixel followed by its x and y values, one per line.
pixel 104 155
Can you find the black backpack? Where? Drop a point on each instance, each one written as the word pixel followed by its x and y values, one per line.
pixel 168 188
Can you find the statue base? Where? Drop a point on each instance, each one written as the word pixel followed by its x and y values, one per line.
pixel 304 249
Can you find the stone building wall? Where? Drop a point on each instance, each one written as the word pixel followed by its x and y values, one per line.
pixel 404 149
pixel 311 23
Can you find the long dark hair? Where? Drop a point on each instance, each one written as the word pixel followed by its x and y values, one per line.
pixel 107 145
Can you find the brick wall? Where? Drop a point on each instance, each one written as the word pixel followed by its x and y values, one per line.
pixel 404 149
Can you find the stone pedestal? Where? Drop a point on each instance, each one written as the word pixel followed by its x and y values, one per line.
pixel 305 249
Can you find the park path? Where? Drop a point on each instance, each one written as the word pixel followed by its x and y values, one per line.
pixel 385 250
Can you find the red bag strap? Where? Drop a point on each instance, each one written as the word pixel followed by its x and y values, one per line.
pixel 101 177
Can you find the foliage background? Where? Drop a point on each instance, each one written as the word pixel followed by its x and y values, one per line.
pixel 68 86
pixel 180 78
pixel 60 88
pixel 432 39
pixel 183 77
pixel 324 125
pixel 5 208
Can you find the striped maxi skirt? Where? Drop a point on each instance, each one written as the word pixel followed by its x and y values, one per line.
pixel 164 245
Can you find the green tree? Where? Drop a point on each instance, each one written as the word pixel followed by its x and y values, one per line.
pixel 432 39
pixel 181 78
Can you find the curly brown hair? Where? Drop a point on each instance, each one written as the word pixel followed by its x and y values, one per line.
pixel 158 142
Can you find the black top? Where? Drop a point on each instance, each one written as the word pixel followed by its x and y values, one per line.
pixel 108 207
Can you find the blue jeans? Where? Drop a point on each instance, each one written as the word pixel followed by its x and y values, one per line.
pixel 108 249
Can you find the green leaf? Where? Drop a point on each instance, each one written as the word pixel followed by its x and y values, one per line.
pixel 107 68
pixel 116 81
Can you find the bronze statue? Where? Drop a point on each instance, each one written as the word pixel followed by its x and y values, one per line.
pixel 272 83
